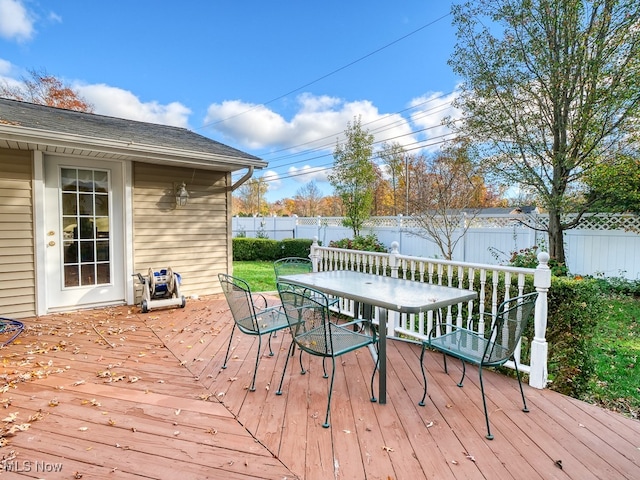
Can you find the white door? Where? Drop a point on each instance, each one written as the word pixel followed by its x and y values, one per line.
pixel 84 233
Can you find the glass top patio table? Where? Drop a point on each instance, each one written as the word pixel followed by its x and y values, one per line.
pixel 387 293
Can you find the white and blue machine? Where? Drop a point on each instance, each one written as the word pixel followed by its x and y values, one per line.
pixel 161 289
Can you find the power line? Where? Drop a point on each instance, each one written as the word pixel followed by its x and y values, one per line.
pixel 325 146
pixel 350 64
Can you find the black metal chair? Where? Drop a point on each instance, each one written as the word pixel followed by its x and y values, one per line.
pixel 250 318
pixel 9 330
pixel 491 350
pixel 307 311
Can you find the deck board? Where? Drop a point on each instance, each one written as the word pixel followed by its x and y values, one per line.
pixel 169 407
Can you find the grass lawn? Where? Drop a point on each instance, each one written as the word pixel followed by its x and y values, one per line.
pixel 259 275
pixel 616 354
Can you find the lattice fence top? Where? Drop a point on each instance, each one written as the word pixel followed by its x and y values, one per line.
pixel 598 221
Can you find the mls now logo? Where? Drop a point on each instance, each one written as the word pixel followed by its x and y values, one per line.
pixel 29 466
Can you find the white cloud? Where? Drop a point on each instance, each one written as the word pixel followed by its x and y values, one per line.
pixel 273 179
pixel 16 23
pixel 117 102
pixel 317 124
pixel 428 113
pixel 54 17
pixel 308 173
pixel 5 67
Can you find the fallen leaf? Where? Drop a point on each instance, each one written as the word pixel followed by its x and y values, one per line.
pixel 11 418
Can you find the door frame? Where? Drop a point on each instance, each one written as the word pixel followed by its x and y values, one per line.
pixel 40 231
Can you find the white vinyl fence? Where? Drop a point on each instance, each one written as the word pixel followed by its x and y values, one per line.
pixel 606 246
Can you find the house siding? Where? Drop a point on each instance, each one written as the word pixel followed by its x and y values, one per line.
pixel 17 258
pixel 193 240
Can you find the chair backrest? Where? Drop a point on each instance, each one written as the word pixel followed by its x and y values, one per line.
pixel 307 310
pixel 240 300
pixel 513 316
pixel 292 266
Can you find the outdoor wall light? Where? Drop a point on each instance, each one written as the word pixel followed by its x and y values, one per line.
pixel 182 196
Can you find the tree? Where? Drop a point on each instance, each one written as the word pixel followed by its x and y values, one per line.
pixel 612 192
pixel 449 194
pixel 396 161
pixel 353 175
pixel 549 94
pixel 251 195
pixel 307 200
pixel 44 89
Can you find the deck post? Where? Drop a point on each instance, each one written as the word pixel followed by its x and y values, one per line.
pixel 314 255
pixel 538 374
pixel 393 318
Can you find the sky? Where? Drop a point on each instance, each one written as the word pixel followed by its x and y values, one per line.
pixel 279 80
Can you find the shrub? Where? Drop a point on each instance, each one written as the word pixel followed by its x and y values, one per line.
pixel 528 258
pixel 246 249
pixel 368 243
pixel 575 307
pixel 250 249
pixel 295 247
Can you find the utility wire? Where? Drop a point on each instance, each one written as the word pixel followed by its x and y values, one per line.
pixel 326 145
pixel 328 74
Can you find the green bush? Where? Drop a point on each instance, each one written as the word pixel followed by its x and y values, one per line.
pixel 253 249
pixel 295 247
pixel 575 307
pixel 368 243
pixel 245 249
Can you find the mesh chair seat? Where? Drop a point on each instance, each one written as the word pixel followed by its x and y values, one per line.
pixel 343 341
pixel 470 347
pixel 267 320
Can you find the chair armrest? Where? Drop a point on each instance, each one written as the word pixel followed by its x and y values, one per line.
pixel 448 326
pixel 258 297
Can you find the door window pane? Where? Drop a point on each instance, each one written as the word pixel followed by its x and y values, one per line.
pixel 86 227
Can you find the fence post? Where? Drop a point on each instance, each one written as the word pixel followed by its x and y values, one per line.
pixel 314 254
pixel 538 374
pixel 393 259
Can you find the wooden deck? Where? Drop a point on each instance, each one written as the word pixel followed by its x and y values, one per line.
pixel 117 394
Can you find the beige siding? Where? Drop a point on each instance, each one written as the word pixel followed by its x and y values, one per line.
pixel 17 260
pixel 193 240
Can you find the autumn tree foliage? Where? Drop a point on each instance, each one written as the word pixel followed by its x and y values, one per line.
pixel 43 89
pixel 449 192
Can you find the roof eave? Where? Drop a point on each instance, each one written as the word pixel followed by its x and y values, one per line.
pixel 127 149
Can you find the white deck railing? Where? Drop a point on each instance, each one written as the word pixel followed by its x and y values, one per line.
pixel 493 283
